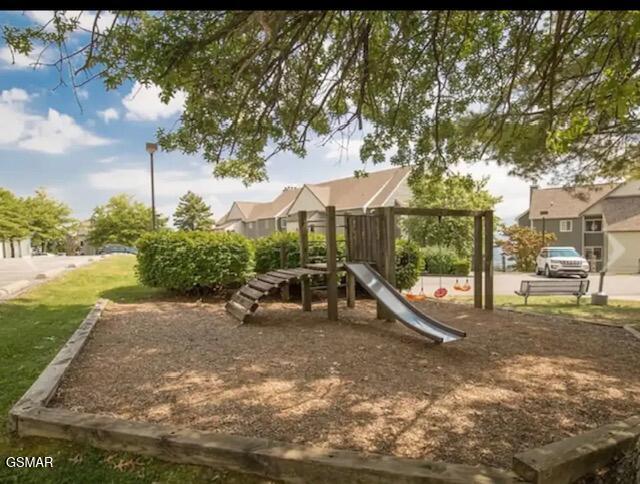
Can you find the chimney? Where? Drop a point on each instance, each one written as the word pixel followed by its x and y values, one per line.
pixel 531 189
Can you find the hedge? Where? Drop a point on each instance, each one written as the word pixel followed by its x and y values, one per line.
pixel 409 263
pixel 187 261
pixel 267 250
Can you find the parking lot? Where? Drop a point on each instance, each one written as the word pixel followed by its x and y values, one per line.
pixel 617 286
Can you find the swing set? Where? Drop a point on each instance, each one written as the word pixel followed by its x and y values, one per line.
pixel 441 291
pixel 482 263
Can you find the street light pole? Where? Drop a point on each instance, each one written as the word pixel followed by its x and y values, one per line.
pixel 543 213
pixel 151 149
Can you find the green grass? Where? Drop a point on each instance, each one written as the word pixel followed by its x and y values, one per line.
pixel 33 327
pixel 618 312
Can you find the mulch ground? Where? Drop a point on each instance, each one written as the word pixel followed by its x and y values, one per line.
pixel 515 382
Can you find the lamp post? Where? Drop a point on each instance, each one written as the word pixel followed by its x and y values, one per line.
pixel 151 149
pixel 543 213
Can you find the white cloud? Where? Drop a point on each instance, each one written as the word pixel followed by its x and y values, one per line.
pixel 513 190
pixel 15 95
pixel 86 18
pixel 344 150
pixel 109 114
pixel 172 184
pixel 17 60
pixel 43 17
pixel 143 103
pixel 107 160
pixel 54 133
pixel 82 94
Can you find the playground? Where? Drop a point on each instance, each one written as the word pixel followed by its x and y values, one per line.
pixel 467 385
pixel 515 382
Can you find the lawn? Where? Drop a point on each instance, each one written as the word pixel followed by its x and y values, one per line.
pixel 33 327
pixel 618 312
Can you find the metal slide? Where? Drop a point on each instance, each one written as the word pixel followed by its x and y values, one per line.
pixel 404 311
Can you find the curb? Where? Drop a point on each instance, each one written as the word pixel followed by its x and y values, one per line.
pixel 50 274
pixel 14 287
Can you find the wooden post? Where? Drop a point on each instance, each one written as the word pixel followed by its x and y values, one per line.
pixel 477 261
pixel 305 284
pixel 284 290
pixel 351 280
pixel 376 242
pixel 488 259
pixel 389 252
pixel 332 263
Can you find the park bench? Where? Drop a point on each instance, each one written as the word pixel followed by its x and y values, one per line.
pixel 570 287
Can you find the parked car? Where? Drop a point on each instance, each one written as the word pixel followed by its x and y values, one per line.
pixel 561 261
pixel 117 249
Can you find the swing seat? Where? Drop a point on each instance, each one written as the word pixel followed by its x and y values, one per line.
pixel 440 292
pixel 415 297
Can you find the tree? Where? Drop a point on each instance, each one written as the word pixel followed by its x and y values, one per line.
pixel 538 90
pixel 13 219
pixel 48 219
pixel 193 213
pixel 524 244
pixel 455 191
pixel 121 221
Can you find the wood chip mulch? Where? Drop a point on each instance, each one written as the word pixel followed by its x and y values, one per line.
pixel 514 383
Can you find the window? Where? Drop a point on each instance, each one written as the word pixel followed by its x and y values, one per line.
pixel 282 223
pixel 566 225
pixel 566 252
pixel 593 225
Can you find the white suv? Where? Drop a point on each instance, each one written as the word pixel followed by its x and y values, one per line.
pixel 556 261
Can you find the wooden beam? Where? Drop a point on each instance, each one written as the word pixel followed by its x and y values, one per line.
pixel 437 212
pixel 351 280
pixel 305 283
pixel 375 251
pixel 273 460
pixel 388 245
pixel 284 290
pixel 332 262
pixel 488 259
pixel 477 261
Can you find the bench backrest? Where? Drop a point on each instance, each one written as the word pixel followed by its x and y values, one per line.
pixel 567 286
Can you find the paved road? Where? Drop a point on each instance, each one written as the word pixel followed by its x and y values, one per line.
pixel 617 286
pixel 16 273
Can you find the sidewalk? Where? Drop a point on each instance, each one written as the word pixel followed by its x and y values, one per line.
pixel 17 275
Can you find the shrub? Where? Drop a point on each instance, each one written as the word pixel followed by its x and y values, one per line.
pixel 409 263
pixel 445 260
pixel 462 267
pixel 186 261
pixel 267 250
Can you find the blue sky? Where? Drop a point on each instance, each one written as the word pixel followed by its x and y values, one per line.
pixel 85 154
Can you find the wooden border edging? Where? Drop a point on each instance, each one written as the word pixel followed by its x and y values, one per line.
pixel 566 460
pixel 293 463
pixel 43 389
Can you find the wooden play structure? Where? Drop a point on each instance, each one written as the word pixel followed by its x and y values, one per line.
pixel 370 260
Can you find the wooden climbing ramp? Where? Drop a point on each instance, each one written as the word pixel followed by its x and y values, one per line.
pixel 246 300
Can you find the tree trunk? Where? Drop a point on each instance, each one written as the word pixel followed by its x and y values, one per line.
pixel 13 251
